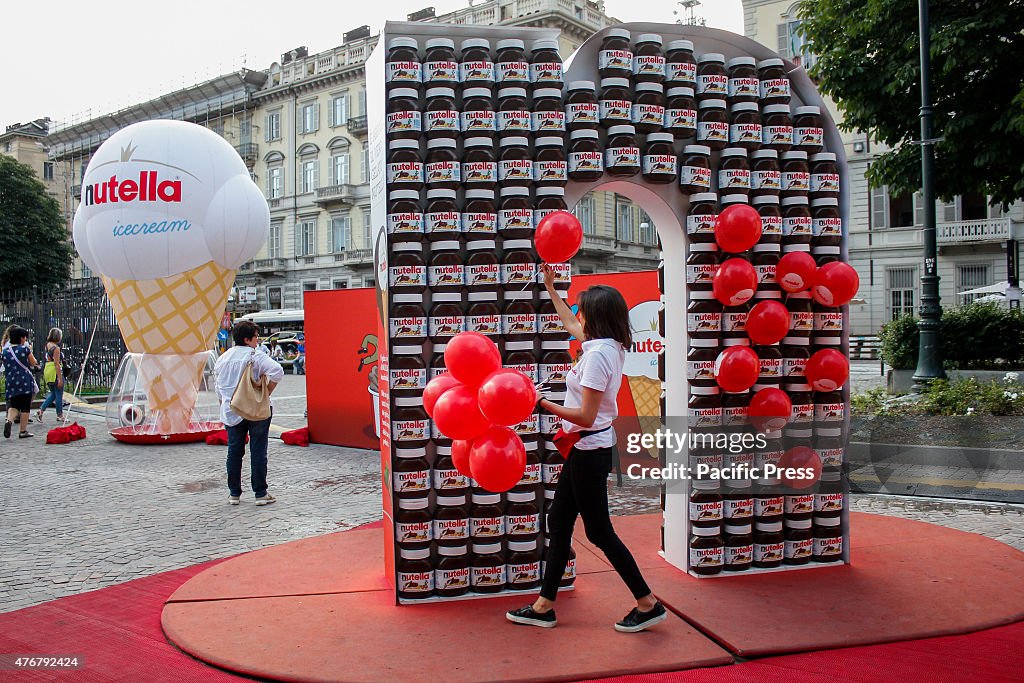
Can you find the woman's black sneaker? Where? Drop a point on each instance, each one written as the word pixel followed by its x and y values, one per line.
pixel 7 430
pixel 527 615
pixel 637 621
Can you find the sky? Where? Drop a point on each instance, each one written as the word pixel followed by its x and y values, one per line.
pixel 71 60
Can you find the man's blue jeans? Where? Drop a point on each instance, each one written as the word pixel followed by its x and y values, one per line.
pixel 259 434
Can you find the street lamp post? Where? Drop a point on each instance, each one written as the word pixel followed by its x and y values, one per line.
pixel 929 360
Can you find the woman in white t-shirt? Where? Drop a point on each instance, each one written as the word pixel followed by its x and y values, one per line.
pixel 590 408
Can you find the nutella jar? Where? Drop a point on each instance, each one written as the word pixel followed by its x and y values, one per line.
pixel 739 547
pixel 478 116
pixel 700 220
pixel 798 508
pixel 826 225
pixel 705 505
pixel 413 524
pixel 442 219
pixel 519 319
pixel 769 454
pixel 829 409
pixel 771 218
pixel 523 568
pixel 407 275
pixel 550 323
pixel 446 271
pixel 680 66
pixel 734 171
pixel 831 447
pixel 745 127
pixel 402 68
pixel 515 213
pixel 765 260
pixel 659 159
pixel 550 198
pixel 479 215
pixel 765 173
pixel 615 103
pixel 681 113
pixel 825 254
pixel 712 124
pixel 436 369
pixel 513 117
pixel 648 112
pixel 769 544
pixel 621 155
pixel 586 161
pixel 483 272
pixel 451 576
pixel 798 542
pixel 738 502
pixel 706 551
pixel 546 65
pixel 712 78
pixel 548 114
pixel 581 108
pixel 551 468
pixel 808 134
pixel 487 568
pixel 403 120
pixel 802 416
pixel 555 365
pixel 441 116
pixel 828 539
pixel 734 414
pixel 404 166
pixel 483 315
pixel 522 515
pixel 486 518
pixel 734 322
pixel 796 221
pixel 701 264
pixel 730 199
pixel 796 175
pixel 518 266
pixel 550 167
pixel 615 60
pixel 773 84
pixel 405 217
pixel 648 60
pixel 776 128
pixel 415 574
pixel 704 409
pixel 801 314
pixel 824 176
pixel 828 325
pixel 515 167
pixel 529 431
pixel 479 164
pixel 410 475
pixel 743 83
pixel 440 68
pixel 451 487
pixel 770 364
pixel 519 354
pixel 510 66
pixel 443 170
pixel 476 70
pixel 695 170
pixel 795 354
pixel 407 373
pixel 700 359
pixel 768 509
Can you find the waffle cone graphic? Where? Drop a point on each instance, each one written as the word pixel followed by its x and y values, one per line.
pixel 647 400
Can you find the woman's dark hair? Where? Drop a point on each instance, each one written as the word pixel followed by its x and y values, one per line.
pixel 18 336
pixel 605 314
pixel 243 330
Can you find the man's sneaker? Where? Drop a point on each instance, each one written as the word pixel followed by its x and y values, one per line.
pixel 265 500
pixel 527 615
pixel 637 621
pixel 233 500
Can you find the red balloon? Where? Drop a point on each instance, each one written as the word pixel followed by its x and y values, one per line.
pixel 435 388
pixel 470 357
pixel 498 459
pixel 827 370
pixel 507 397
pixel 737 368
pixel 795 271
pixel 835 284
pixel 737 228
pixel 558 237
pixel 457 414
pixel 767 322
pixel 460 456
pixel 734 282
pixel 770 410
pixel 800 457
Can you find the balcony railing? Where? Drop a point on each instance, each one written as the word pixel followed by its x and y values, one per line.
pixel 357 125
pixel 598 244
pixel 335 193
pixel 248 151
pixel 76 191
pixel 354 257
pixel 990 230
pixel 269 265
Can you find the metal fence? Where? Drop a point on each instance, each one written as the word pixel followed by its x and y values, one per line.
pixel 78 309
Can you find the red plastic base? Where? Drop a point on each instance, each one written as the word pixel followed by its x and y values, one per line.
pixel 129 435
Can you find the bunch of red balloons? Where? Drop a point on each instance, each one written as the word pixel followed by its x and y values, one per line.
pixel 833 284
pixel 475 404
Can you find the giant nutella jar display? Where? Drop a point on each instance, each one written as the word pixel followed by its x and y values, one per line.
pixel 545 65
pixel 441 116
pixel 712 124
pixel 403 120
pixel 476 68
pixel 547 115
pixel 511 68
pixel 615 60
pixel 440 67
pixel 477 116
pixel 403 68
pixel 648 59
pixel 479 164
pixel 581 108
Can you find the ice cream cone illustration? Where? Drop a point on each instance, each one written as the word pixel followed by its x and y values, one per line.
pixel 641 367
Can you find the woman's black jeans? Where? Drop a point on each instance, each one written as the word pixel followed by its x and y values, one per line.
pixel 583 490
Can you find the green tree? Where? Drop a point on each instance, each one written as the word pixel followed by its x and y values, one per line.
pixel 868 61
pixel 34 240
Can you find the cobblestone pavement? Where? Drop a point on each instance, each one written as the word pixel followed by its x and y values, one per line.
pixel 864 375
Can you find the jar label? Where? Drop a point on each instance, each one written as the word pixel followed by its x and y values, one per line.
pixel 487 527
pixel 801 321
pixel 765 272
pixel 701 224
pixel 515 169
pixel 413 532
pixel 681 72
pixel 701 274
pixel 734 321
pixel 546 72
pixel 484 324
pixel 550 323
pixel 796 181
pixel 777 136
pixel 739 554
pixel 524 525
pixel 437 372
pixel 444 70
pixel 681 119
pixel 583 112
pixel 446 120
pixel 522 575
pixel 712 84
pixel 435 433
pixel 615 59
pixel 407 276
pixel 828 321
pixel 403 122
pixel 700 370
pixel 831 457
pixel 827 227
pixel 771 225
pixel 479 71
pixel 733 178
pixel 701 558
pixel 796 226
pixel 773 88
pixel 554 373
pixel 483 275
pixel 744 87
pixel 713 461
pixel 770 368
pixel 739 460
pixel 712 131
pixel 451 275
pixel 825 182
pixel 519 323
pixel 516 120
pixel 706 512
pixel 585 162
pixel 549 424
pixel 616 110
pixel 451 579
pixel 647 115
pixel 515 219
pixel 745 134
pixel 649 65
pixel 443 221
pixel 695 176
pixel 829 412
pixel 808 136
pixel 528 369
pixel 769 552
pixel 828 547
pixel 410 482
pixel 771 458
pixel 768 506
pixel 548 121
pixel 415 582
pixel 405 223
pixel 480 171
pixel 550 171
pixel 659 164
pixel 405 172
pixel 407 378
pixel 738 508
pixel 449 480
pixel 480 224
pixel 530 425
pixel 802 504
pixel 487 577
pixel 802 413
pixel 444 172
pixel 766 180
pixel 793 367
pixel 512 72
pixel 705 417
pixel 798 550
pixel 474 121
pixel 539 214
pixel 446 325
pixel 562 271
pixel 403 73
pixel 620 157
pixel 551 471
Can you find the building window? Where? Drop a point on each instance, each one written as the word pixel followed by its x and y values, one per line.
pixel 364 165
pixel 82 169
pixel 367 229
pixel 305 238
pixel 7 146
pixel 86 270
pixel 970 277
pixel 585 213
pixel 648 233
pixel 274 241
pixel 310 175
pixel 625 222
pixel 272 127
pixel 339 284
pixel 309 286
pixel 950 212
pixel 310 118
pixel 362 102
pixel 274 298
pixel 902 284
pixel 275 182
pixel 974 207
pixel 339 110
pixel 369 282
pixel 339 169
pixel 586 270
pixel 47 170
pixel 791 44
pixel 341 228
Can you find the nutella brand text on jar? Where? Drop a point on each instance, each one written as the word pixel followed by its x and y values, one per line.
pixel 734 171
pixel 476 67
pixel 510 65
pixel 824 176
pixel 745 127
pixel 545 65
pixel 404 166
pixel 659 159
pixel 549 165
pixel 403 67
pixel 477 116
pixel 586 162
pixel 695 169
pixel 479 163
pixel 440 69
pixel 443 170
pixel 648 59
pixel 773 86
pixel 547 116
pixel 680 65
pixel 681 113
pixel 615 59
pixel 712 124
pixel 622 155
pixel 405 217
pixel 743 83
pixel 712 79
pixel 616 102
pixel 777 128
pixel 648 112
pixel 513 117
pixel 440 114
pixel 808 134
pixel 403 119
pixel 581 108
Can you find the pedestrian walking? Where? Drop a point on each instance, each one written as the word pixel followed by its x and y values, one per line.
pixel 300 360
pixel 53 375
pixel 228 370
pixel 20 385
pixel 587 416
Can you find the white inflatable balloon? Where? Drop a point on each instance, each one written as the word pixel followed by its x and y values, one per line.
pixel 164 197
